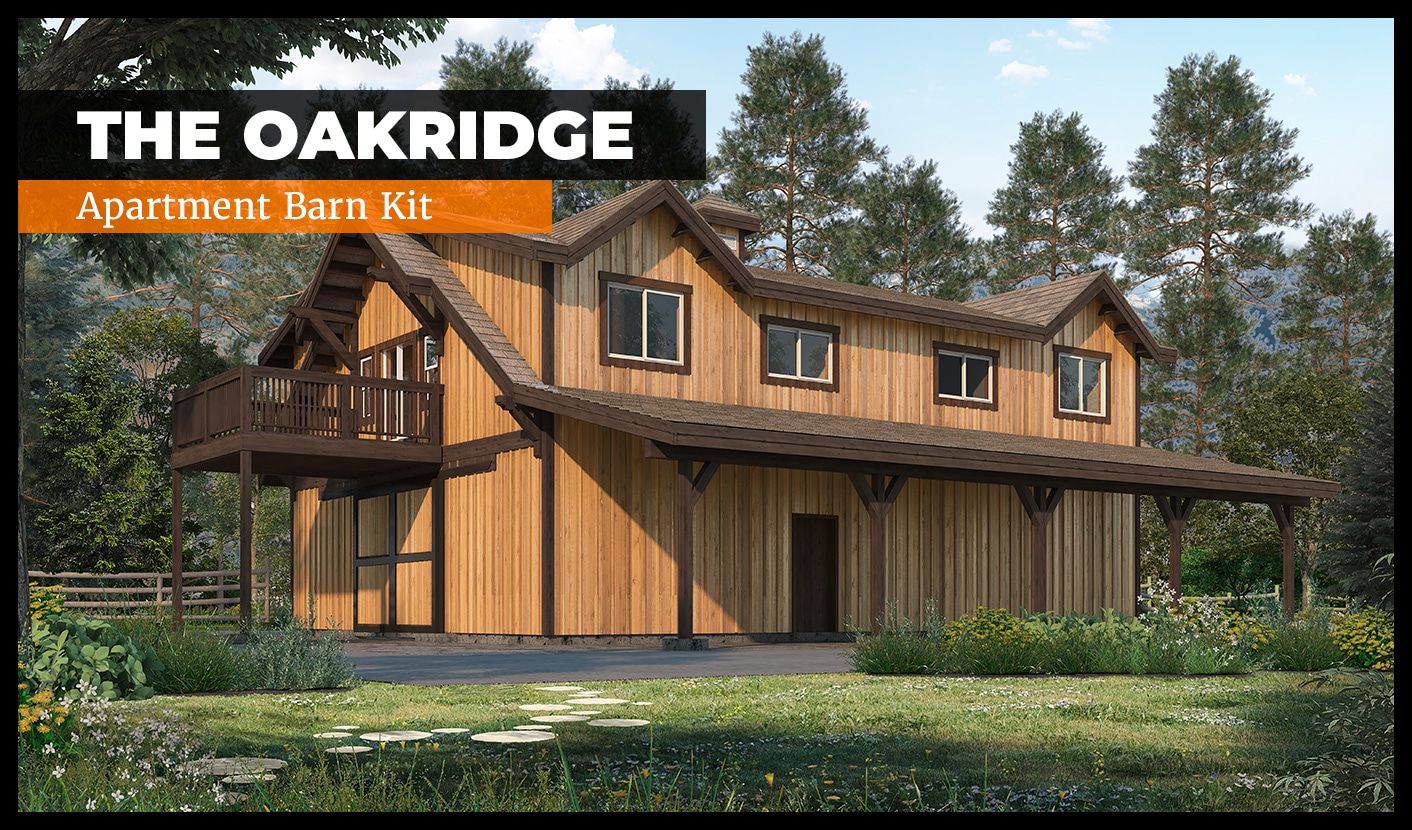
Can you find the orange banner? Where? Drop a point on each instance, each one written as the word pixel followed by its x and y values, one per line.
pixel 297 206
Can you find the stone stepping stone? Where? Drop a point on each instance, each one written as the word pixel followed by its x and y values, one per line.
pixel 570 718
pixel 545 707
pixel 512 736
pixel 248 779
pixel 333 734
pixel 533 728
pixel 233 766
pixel 619 722
pixel 597 701
pixel 395 736
pixel 586 712
pixel 349 727
pixel 348 750
pixel 558 689
pixel 451 730
pixel 642 703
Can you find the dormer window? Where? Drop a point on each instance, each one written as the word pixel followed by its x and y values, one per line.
pixel 645 323
pixel 1081 384
pixel 731 239
pixel 798 353
pixel 965 375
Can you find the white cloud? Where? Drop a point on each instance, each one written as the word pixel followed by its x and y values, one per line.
pixel 1002 45
pixel 1091 27
pixel 1074 44
pixel 1022 72
pixel 1300 83
pixel 575 58
pixel 1038 33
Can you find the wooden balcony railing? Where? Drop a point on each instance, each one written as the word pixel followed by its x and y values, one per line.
pixel 286 401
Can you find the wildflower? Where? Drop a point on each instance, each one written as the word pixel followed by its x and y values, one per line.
pixel 770 778
pixel 58 772
pixel 91 805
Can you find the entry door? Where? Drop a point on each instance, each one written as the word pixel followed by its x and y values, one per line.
pixel 814 573
pixel 393 567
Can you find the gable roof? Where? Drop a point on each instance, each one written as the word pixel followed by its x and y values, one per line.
pixel 1050 305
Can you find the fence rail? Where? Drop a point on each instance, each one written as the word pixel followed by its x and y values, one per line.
pixel 1335 603
pixel 205 595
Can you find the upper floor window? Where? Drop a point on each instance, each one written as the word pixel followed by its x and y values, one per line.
pixel 796 353
pixel 1081 385
pixel 965 375
pixel 645 323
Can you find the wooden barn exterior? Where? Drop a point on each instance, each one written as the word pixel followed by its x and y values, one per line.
pixel 619 428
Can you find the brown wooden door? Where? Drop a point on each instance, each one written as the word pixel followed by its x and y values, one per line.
pixel 814 573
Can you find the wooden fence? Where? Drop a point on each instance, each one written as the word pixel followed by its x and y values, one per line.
pixel 206 595
pixel 1335 603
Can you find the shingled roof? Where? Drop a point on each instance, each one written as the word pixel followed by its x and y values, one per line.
pixel 787 438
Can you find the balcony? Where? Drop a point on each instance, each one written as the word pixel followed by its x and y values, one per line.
pixel 307 424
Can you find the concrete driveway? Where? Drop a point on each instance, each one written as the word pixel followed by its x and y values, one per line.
pixel 443 664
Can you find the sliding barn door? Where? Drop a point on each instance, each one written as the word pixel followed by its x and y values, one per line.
pixel 393 567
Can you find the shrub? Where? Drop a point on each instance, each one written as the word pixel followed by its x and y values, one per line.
pixel 1086 644
pixel 1365 639
pixel 70 649
pixel 45 600
pixel 295 659
pixel 1355 772
pixel 1301 645
pixel 194 658
pixel 992 641
pixel 898 648
pixel 42 718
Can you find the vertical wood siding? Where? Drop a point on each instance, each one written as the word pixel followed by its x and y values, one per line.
pixel 323 559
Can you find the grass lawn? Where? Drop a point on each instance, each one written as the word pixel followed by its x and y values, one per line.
pixel 813 742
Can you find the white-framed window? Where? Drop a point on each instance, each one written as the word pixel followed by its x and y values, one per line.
pixel 1082 385
pixel 645 323
pixel 965 375
pixel 799 354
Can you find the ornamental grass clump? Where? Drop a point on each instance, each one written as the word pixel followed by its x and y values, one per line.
pixel 193 657
pixel 898 647
pixel 295 659
pixel 1087 644
pixel 1305 644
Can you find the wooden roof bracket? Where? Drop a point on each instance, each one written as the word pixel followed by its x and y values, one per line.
pixel 530 428
pixel 407 291
pixel 1039 502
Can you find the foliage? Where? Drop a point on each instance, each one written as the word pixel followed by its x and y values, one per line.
pixel 45 600
pixel 1059 210
pixel 42 718
pixel 1214 179
pixel 1355 772
pixel 992 641
pixel 1366 639
pixel 1339 316
pixel 1301 645
pixel 908 234
pixel 794 153
pixel 193 658
pixel 1358 545
pixel 1230 549
pixel 474 67
pixel 71 649
pixel 59 305
pixel 1085 644
pixel 897 647
pixel 294 658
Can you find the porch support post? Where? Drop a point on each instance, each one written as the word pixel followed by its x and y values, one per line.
pixel 1175 512
pixel 247 552
pixel 1039 503
pixel 1284 517
pixel 176 550
pixel 689 490
pixel 878 495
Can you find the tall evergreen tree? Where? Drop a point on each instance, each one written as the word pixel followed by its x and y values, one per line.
pixel 1213 182
pixel 1059 209
pixel 504 66
pixel 1359 543
pixel 795 153
pixel 1339 317
pixel 908 234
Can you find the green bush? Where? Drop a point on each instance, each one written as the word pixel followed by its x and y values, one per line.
pixel 1301 645
pixel 1365 638
pixel 898 648
pixel 1355 772
pixel 295 659
pixel 194 658
pixel 992 641
pixel 71 649
pixel 1086 644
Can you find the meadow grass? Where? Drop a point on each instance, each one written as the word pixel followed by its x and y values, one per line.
pixel 809 742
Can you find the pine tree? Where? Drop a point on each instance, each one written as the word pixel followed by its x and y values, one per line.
pixel 1058 212
pixel 1339 317
pixel 1359 542
pixel 795 153
pixel 908 235
pixel 1214 180
pixel 473 66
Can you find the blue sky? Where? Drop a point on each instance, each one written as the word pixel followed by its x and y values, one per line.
pixel 956 91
